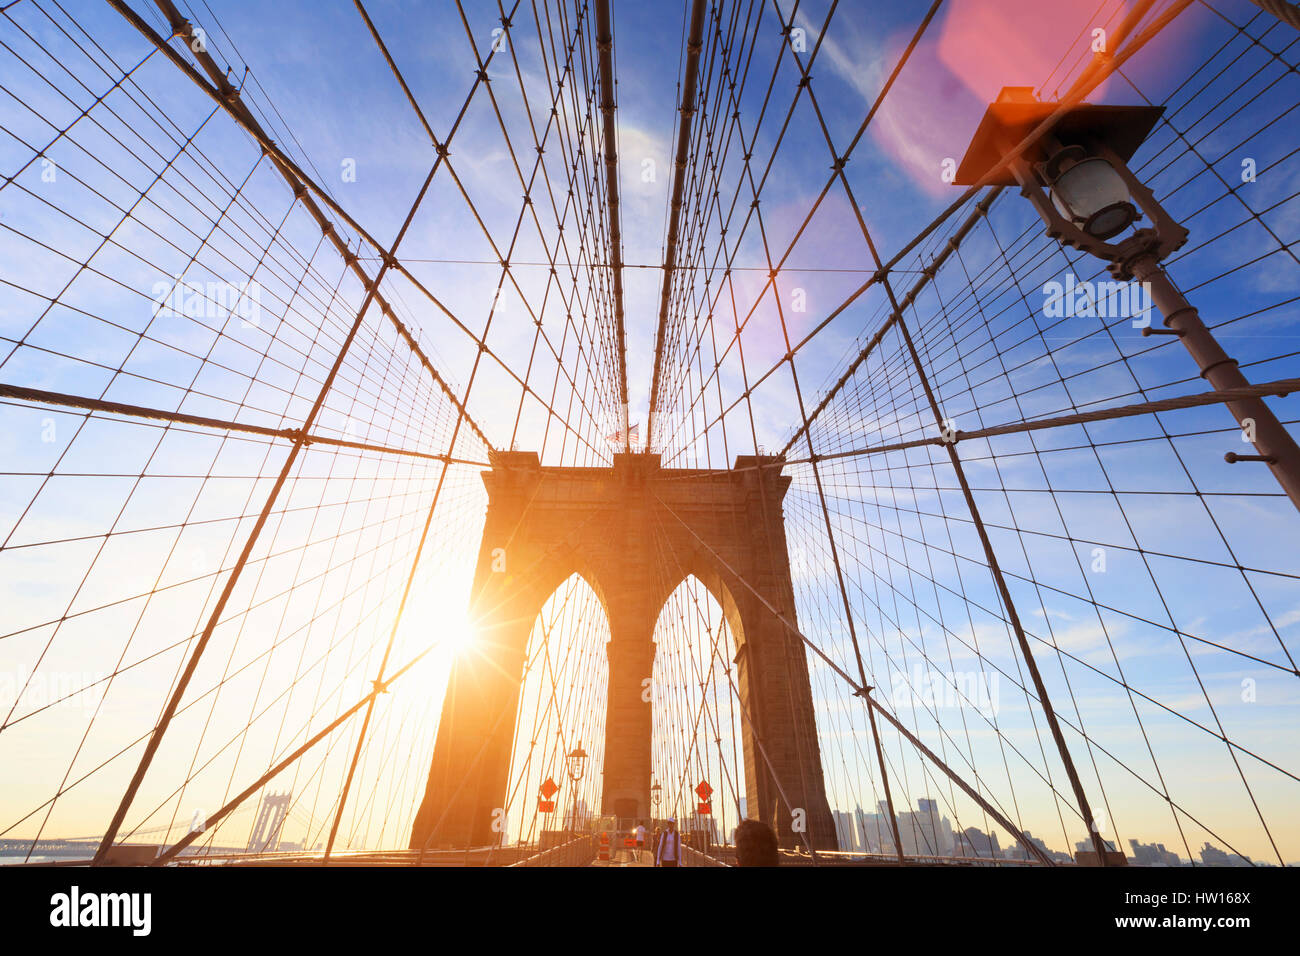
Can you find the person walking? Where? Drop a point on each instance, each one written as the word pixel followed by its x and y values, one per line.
pixel 640 840
pixel 668 850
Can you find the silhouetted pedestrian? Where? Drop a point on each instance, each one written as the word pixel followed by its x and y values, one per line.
pixel 756 845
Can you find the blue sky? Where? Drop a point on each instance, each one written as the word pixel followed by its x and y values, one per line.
pixel 338 108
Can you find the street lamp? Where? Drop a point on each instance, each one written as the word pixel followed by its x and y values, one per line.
pixel 577 765
pixel 1076 176
pixel 656 792
pixel 1087 191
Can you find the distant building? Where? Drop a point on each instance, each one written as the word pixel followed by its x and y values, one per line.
pixel 844 830
pixel 925 832
pixel 581 813
pixel 1084 846
pixel 1213 856
pixel 874 831
pixel 1153 854
pixel 975 842
pixel 1018 852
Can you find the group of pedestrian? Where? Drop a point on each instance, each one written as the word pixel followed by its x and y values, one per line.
pixel 665 844
pixel 756 844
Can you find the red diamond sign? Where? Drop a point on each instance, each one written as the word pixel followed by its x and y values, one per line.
pixel 704 791
pixel 549 788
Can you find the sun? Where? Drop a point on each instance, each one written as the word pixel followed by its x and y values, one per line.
pixel 437 621
pixel 459 634
pixel 449 623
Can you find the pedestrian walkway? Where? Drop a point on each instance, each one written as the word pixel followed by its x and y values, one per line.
pixel 624 856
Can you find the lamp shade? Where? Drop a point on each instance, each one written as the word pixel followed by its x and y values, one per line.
pixel 1092 195
pixel 577 762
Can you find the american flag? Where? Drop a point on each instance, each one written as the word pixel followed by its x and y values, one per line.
pixel 630 438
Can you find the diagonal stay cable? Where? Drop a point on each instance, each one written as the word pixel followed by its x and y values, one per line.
pixel 290 460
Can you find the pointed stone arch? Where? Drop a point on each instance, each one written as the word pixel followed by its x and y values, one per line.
pixel 704 674
pixel 566 646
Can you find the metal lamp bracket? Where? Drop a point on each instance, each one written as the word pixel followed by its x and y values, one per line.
pixel 1163 237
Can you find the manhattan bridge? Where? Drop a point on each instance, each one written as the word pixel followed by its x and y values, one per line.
pixel 446 433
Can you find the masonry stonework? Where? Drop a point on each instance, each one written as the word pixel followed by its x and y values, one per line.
pixel 634 532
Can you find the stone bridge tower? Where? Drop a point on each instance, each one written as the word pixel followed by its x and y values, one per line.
pixel 634 532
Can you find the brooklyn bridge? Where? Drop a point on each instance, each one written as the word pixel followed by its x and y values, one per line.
pixel 478 433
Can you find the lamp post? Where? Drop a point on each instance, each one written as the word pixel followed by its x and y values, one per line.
pixel 1077 178
pixel 576 766
pixel 656 792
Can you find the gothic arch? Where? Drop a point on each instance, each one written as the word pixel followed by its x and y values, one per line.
pixel 574 626
pixel 695 670
pixel 718 583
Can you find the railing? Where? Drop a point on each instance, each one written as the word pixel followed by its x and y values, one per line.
pixel 858 858
pixel 576 852
pixel 464 856
pixel 693 857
